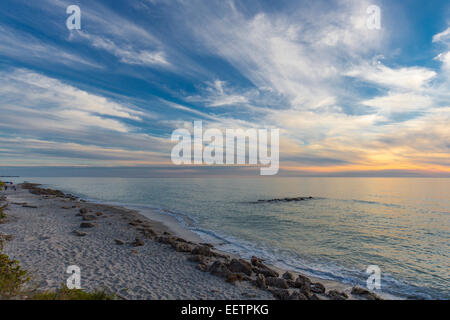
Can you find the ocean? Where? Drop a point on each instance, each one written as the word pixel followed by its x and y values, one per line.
pixel 401 225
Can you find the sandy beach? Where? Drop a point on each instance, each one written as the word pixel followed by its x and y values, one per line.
pixel 134 257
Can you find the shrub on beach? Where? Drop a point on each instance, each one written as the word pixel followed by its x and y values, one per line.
pixel 12 276
pixel 64 293
pixel 2 213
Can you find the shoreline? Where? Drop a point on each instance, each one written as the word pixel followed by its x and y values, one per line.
pixel 164 233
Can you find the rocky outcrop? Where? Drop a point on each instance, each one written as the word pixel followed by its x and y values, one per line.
pixel 280 294
pixel 219 269
pixel 87 225
pixel 288 276
pixel 365 293
pixel 202 250
pixel 277 282
pixel 80 233
pixel 138 242
pixel 261 281
pixel 337 295
pixel 240 266
pixel 89 217
pixel 317 288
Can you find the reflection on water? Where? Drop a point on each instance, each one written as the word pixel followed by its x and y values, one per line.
pixel 399 224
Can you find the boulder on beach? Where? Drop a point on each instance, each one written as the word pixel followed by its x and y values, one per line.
pixel 288 276
pixel 202 250
pixel 317 288
pixel 202 267
pixel 233 277
pixel 240 266
pixel 296 295
pixel 119 242
pixel 138 242
pixel 280 294
pixel 87 225
pixel 182 246
pixel 266 271
pixel 337 295
pixel 261 281
pixel 89 217
pixel 84 210
pixel 365 293
pixel 80 233
pixel 277 282
pixel 219 269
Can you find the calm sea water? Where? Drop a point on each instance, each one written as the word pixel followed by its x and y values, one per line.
pixel 400 224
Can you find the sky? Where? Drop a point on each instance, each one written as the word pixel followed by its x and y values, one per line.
pixel 348 99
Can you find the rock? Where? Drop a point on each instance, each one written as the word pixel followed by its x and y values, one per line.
pixel 337 295
pixel 206 244
pixel 233 277
pixel 317 288
pixel 197 258
pixel 304 284
pixel 138 243
pixel 202 250
pixel 166 239
pixel 182 247
pixel 202 267
pixel 84 210
pixel 6 237
pixel 291 283
pixel 280 294
pixel 99 214
pixel 87 225
pixel 288 276
pixel 80 233
pixel 365 293
pixel 119 242
pixel 261 281
pixel 315 297
pixel 302 281
pixel 89 217
pixel 240 266
pixel 255 261
pixel 296 295
pixel 266 272
pixel 277 282
pixel 148 233
pixel 219 269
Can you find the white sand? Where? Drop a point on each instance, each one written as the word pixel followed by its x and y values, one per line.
pixel 45 245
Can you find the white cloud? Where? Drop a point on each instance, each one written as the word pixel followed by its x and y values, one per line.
pixel 413 78
pixel 400 102
pixel 442 36
pixel 127 54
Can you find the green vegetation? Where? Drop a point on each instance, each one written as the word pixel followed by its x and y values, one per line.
pixel 12 276
pixel 73 294
pixel 2 213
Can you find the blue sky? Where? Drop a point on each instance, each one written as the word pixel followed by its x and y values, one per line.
pixel 346 98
